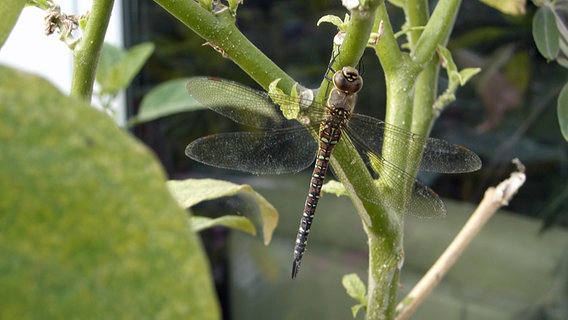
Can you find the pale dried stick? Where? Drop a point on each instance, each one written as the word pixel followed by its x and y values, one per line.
pixel 494 198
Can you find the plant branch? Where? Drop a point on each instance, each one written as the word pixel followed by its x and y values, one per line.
pixel 353 44
pixel 416 12
pixel 436 31
pixel 86 53
pixel 387 49
pixel 221 33
pixel 494 198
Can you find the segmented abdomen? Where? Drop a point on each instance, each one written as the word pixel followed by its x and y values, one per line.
pixel 330 134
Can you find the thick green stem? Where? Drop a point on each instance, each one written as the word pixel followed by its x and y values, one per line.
pixel 416 12
pixel 384 272
pixel 436 31
pixel 411 88
pixel 354 43
pixel 87 51
pixel 220 31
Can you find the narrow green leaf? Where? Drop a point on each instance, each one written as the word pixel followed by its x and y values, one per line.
pixel 193 191
pixel 88 225
pixel 335 20
pixel 121 66
pixel 563 111
pixel 166 99
pixel 235 222
pixel 355 309
pixel 466 74
pixel 447 60
pixel 545 33
pixel 512 7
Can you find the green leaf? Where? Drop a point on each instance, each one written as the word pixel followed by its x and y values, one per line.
pixel 118 67
pixel 89 228
pixel 290 110
pixel 335 20
pixel 193 191
pixel 355 309
pixel 235 222
pixel 335 187
pixel 465 74
pixel 511 7
pixel 562 110
pixel 456 78
pixel 545 33
pixel 355 289
pixel 166 99
pixel 8 16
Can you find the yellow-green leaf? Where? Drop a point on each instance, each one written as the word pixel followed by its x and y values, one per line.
pixel 89 228
pixel 8 16
pixel 193 191
pixel 511 7
pixel 235 222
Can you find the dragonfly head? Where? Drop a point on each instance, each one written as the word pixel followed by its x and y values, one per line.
pixel 348 80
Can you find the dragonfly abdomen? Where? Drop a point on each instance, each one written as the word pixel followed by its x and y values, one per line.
pixel 330 134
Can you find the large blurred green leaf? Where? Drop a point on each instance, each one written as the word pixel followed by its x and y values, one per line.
pixel 166 99
pixel 117 67
pixel 259 211
pixel 88 228
pixel 545 33
pixel 563 111
pixel 8 16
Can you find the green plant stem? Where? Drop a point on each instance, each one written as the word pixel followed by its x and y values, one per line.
pixel 416 12
pixel 86 53
pixel 387 48
pixel 411 88
pixel 436 31
pixel 219 30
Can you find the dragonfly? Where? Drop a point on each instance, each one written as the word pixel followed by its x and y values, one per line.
pixel 289 145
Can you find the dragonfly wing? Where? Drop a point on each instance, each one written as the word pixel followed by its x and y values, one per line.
pixel 236 102
pixel 438 155
pixel 445 157
pixel 265 152
pixel 391 182
pixel 251 107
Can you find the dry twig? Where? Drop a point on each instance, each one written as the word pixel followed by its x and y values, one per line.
pixel 494 198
